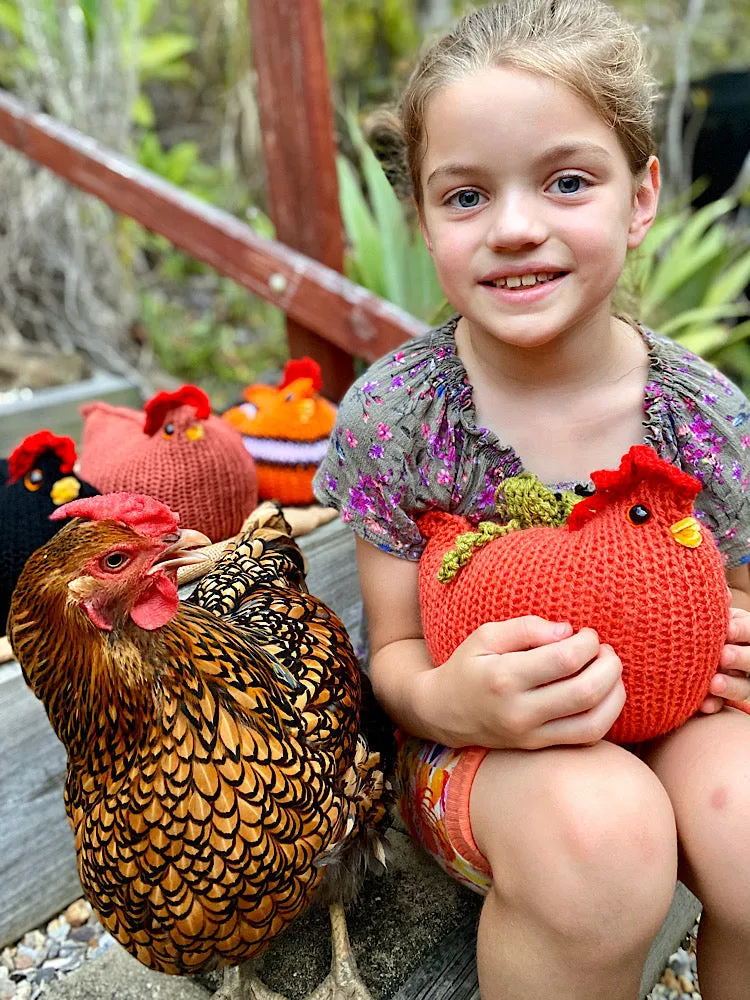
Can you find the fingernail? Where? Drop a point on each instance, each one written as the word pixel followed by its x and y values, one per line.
pixel 562 628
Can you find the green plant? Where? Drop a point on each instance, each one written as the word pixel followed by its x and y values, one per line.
pixel 690 275
pixel 154 56
pixel 386 253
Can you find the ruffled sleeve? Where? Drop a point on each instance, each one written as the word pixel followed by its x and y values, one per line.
pixel 384 465
pixel 699 419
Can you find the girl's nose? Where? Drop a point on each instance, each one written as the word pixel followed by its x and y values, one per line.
pixel 515 222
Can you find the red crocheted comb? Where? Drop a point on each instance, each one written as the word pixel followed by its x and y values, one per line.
pixel 156 409
pixel 142 513
pixel 302 368
pixel 640 465
pixel 29 450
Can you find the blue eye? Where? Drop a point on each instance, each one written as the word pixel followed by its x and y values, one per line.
pixel 571 184
pixel 465 199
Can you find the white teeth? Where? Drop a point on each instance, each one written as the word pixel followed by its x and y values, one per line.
pixel 527 280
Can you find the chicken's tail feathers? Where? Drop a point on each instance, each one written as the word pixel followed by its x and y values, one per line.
pixel 262 554
pixel 361 846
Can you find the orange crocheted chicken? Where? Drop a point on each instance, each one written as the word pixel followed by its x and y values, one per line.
pixel 631 562
pixel 286 428
pixel 219 778
pixel 176 451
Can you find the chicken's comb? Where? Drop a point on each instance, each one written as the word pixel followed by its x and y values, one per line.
pixel 29 450
pixel 302 368
pixel 142 513
pixel 640 465
pixel 159 406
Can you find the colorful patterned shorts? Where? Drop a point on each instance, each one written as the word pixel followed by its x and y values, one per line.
pixel 434 785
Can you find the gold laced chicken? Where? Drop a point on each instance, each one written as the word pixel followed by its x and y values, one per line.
pixel 218 778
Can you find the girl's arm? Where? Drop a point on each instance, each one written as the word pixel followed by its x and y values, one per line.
pixel 525 683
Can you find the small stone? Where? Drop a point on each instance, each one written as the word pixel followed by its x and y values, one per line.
pixel 6 959
pixel 670 980
pixel 78 913
pixel 679 963
pixel 58 928
pixel 7 989
pixel 659 992
pixel 23 962
pixel 686 984
pixel 23 991
pixel 103 944
pixel 45 975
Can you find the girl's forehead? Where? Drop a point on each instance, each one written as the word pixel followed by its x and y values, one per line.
pixel 504 111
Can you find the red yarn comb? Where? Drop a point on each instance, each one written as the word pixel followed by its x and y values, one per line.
pixel 302 368
pixel 157 408
pixel 29 450
pixel 640 465
pixel 142 513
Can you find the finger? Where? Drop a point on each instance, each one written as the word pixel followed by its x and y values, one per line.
pixel 533 668
pixel 729 685
pixel 711 705
pixel 588 727
pixel 738 629
pixel 518 634
pixel 579 693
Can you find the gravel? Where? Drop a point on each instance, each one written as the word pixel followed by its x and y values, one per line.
pixel 76 936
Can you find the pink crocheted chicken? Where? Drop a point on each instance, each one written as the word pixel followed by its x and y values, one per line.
pixel 176 451
pixel 631 562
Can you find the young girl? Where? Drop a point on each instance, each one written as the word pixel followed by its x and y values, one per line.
pixel 529 138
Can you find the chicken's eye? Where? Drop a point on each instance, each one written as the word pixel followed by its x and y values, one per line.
pixel 33 480
pixel 638 514
pixel 168 430
pixel 115 560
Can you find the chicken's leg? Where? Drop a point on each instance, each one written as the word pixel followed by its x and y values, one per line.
pixel 343 982
pixel 241 983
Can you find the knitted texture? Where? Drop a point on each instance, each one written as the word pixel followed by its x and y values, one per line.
pixel 286 429
pixel 177 452
pixel 34 481
pixel 631 562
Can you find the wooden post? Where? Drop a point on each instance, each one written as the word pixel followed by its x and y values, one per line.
pixel 300 153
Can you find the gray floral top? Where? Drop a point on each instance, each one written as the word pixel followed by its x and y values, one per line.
pixel 406 441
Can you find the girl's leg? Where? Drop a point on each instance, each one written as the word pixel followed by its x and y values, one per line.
pixel 705 768
pixel 583 851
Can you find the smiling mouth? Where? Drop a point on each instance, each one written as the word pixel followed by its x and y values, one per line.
pixel 523 281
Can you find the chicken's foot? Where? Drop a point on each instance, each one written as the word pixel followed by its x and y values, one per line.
pixel 343 982
pixel 242 983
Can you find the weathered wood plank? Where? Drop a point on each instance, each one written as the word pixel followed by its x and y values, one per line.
pixel 300 154
pixel 315 296
pixel 37 859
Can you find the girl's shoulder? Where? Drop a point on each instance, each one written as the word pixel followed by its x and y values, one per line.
pixel 698 418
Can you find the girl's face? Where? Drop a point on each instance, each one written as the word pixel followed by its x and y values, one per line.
pixel 529 206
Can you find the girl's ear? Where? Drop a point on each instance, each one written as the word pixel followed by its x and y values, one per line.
pixel 645 202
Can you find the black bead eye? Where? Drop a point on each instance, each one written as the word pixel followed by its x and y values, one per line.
pixel 168 430
pixel 115 560
pixel 638 514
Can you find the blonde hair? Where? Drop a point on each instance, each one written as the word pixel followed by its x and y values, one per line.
pixel 583 44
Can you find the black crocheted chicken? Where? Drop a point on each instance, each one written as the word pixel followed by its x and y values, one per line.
pixel 34 481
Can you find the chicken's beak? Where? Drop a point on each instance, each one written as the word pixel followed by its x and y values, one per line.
pixel 687 532
pixel 182 552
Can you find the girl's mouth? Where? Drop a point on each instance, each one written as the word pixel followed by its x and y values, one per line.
pixel 523 282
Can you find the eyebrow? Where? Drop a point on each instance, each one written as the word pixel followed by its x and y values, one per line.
pixel 562 152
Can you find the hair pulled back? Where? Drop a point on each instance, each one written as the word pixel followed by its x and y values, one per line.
pixel 583 44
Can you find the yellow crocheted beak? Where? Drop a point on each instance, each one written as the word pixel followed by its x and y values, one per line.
pixel 64 490
pixel 687 532
pixel 195 433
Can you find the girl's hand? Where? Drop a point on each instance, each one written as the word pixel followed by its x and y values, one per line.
pixel 732 680
pixel 528 683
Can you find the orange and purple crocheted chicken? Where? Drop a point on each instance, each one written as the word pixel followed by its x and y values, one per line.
pixel 631 562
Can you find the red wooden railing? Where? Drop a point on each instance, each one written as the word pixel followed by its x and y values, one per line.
pixel 328 316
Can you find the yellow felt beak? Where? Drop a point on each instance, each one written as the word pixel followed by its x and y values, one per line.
pixel 65 490
pixel 687 532
pixel 195 433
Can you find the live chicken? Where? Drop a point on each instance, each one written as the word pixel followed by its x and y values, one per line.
pixel 218 779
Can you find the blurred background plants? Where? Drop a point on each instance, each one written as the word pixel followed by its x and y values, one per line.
pixel 170 84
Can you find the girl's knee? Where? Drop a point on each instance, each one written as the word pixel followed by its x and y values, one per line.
pixel 591 834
